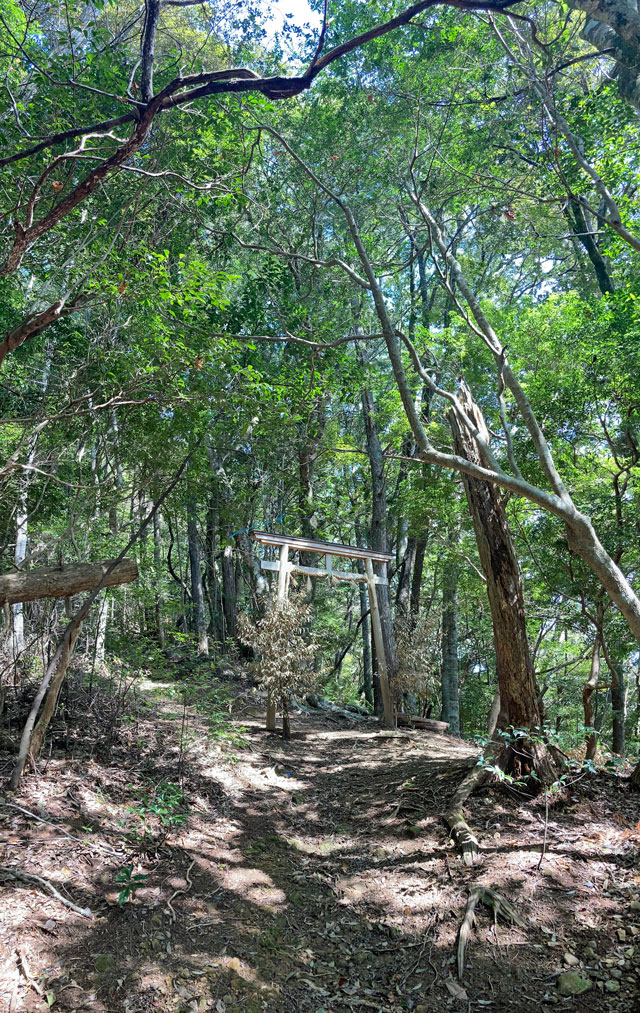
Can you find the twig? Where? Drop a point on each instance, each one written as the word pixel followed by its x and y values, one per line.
pixel 30 877
pixel 183 889
pixel 24 967
pixel 56 826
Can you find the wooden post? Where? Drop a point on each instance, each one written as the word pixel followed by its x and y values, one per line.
pixel 389 716
pixel 283 579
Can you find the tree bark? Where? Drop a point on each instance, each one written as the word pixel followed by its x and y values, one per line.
pixel 101 631
pixel 63 581
pixel 407 564
pixel 197 591
pixel 618 705
pixel 590 687
pixel 449 669
pixel 229 592
pixel 367 675
pixel 257 580
pixel 416 577
pixel 378 535
pixel 583 233
pixel 157 562
pixel 516 681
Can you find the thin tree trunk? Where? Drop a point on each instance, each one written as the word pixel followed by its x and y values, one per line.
pixel 449 670
pixel 367 681
pixel 157 562
pixel 197 592
pixel 407 564
pixel 229 592
pixel 22 519
pixel 53 691
pixel 590 687
pixel 416 577
pixel 257 580
pixel 618 705
pixel 101 631
pixel 378 537
pixel 585 236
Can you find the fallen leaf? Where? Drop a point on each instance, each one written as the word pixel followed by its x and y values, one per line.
pixel 455 989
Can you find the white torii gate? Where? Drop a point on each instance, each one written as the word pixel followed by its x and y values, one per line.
pixel 283 567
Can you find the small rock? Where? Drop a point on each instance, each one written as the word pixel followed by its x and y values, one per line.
pixel 634 905
pixel 612 986
pixel 571 959
pixel 621 934
pixel 616 973
pixel 572 983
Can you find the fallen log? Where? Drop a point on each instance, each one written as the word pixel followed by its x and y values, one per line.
pixel 63 581
pixel 429 724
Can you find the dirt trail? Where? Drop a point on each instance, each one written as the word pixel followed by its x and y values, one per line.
pixel 311 876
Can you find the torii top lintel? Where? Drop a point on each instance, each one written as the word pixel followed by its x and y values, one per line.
pixel 325 548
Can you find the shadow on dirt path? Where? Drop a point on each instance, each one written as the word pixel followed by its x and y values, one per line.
pixel 313 875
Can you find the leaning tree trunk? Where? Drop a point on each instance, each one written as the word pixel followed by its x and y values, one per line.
pixel 516 680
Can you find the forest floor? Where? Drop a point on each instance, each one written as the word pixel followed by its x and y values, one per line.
pixel 313 875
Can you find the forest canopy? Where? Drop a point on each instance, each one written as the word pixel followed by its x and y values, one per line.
pixel 366 275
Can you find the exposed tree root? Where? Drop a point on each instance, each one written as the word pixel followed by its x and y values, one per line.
pixel 500 907
pixel 453 817
pixel 519 760
pixel 29 877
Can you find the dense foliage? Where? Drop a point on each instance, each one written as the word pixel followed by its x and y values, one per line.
pixel 206 290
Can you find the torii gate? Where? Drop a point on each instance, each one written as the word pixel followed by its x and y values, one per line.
pixel 329 549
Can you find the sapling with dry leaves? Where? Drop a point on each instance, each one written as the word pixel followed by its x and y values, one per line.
pixel 284 650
